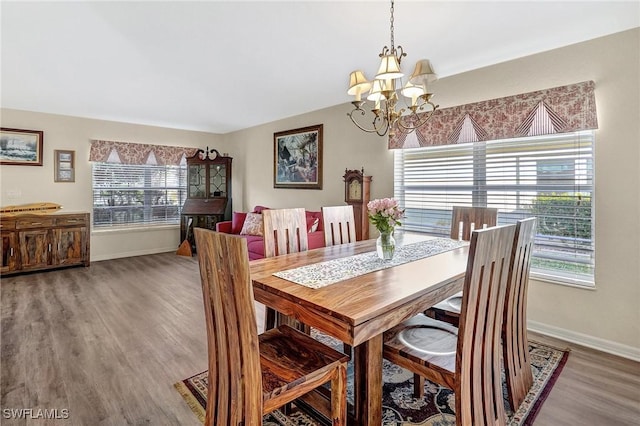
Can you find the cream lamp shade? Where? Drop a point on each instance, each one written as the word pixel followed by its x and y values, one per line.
pixel 358 84
pixel 423 73
pixel 389 68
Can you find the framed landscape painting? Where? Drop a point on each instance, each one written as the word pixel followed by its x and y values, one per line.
pixel 297 158
pixel 21 147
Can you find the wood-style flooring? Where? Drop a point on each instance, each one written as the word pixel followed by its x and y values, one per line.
pixel 108 342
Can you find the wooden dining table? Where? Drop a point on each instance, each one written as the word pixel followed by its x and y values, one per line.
pixel 358 310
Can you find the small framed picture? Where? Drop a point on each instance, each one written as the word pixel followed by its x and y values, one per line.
pixel 65 166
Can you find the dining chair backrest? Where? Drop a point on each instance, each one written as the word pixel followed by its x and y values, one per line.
pixel 235 379
pixel 339 225
pixel 515 343
pixel 478 367
pixel 464 220
pixel 285 231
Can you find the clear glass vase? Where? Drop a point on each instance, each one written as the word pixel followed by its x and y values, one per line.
pixel 386 245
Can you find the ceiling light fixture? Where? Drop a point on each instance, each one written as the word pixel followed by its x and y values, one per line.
pixel 386 88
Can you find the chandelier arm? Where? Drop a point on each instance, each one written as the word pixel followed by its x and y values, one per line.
pixel 384 128
pixel 412 127
pixel 364 129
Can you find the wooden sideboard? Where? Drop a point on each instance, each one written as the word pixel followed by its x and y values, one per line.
pixel 40 242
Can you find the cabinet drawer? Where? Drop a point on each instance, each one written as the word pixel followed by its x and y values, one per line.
pixel 34 223
pixel 8 225
pixel 71 220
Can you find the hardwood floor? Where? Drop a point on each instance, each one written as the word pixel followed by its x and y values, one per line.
pixel 108 342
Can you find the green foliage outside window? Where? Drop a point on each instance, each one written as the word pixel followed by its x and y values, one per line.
pixel 563 215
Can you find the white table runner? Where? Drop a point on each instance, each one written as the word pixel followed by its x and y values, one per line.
pixel 323 274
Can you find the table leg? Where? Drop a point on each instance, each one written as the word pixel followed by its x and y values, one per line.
pixel 367 364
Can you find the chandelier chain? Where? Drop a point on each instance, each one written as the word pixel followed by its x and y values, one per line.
pixel 392 38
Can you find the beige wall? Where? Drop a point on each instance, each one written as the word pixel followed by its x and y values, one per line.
pixel 607 317
pixel 35 184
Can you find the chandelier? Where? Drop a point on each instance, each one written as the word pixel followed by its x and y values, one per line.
pixel 385 89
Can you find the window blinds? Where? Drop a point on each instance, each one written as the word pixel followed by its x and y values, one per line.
pixel 549 177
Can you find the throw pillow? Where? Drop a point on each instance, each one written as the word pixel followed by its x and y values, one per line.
pixel 312 224
pixel 237 221
pixel 258 209
pixel 310 221
pixel 252 225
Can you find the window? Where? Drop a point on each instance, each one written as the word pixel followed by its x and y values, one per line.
pixel 128 194
pixel 550 177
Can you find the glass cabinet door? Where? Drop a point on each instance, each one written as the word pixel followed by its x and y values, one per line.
pixel 218 180
pixel 197 181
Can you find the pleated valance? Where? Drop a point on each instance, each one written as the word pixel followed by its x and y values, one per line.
pixel 138 153
pixel 558 110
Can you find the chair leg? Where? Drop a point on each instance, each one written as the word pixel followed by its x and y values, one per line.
pixel 418 386
pixel 269 318
pixel 339 397
pixel 347 349
pixel 279 319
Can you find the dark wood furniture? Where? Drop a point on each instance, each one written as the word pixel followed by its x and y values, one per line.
pixel 339 225
pixel 358 310
pixel 285 231
pixel 37 242
pixel 208 192
pixel 357 193
pixel 251 375
pixel 467 359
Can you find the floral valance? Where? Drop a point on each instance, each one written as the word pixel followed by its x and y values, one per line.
pixel 138 153
pixel 558 110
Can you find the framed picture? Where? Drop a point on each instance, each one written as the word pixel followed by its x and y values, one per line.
pixel 297 158
pixel 65 166
pixel 21 147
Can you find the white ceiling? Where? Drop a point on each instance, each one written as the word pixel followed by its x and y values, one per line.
pixel 222 66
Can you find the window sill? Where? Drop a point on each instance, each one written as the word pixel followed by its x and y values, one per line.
pixel 569 282
pixel 130 229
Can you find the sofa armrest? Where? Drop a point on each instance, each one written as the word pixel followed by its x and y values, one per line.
pixel 224 226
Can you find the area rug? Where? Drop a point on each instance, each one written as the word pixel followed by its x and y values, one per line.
pixel 437 408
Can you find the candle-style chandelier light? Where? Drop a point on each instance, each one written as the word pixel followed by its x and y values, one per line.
pixel 385 89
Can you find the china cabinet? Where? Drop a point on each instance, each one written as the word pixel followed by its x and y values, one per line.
pixel 208 193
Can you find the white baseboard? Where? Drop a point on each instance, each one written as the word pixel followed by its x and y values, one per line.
pixel 122 254
pixel 597 343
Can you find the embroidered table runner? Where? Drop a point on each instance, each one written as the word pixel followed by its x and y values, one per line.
pixel 323 274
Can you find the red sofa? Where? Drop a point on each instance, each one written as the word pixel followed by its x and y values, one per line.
pixel 255 244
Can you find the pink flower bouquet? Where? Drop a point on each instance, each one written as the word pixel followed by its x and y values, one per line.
pixel 385 214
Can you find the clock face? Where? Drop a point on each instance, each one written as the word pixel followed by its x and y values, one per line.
pixel 355 190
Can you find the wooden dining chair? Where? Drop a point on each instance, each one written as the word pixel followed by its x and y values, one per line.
pixel 339 225
pixel 515 342
pixel 285 231
pixel 466 359
pixel 465 219
pixel 339 228
pixel 251 375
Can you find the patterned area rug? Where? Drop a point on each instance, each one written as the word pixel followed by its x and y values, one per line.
pixel 437 408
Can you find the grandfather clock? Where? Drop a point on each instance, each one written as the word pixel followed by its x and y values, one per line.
pixel 357 192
